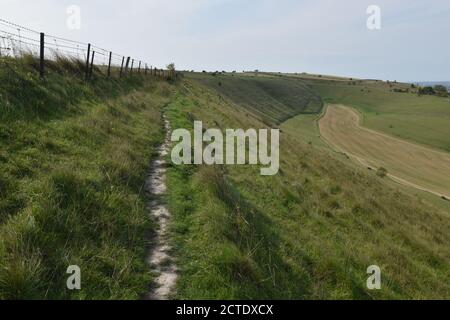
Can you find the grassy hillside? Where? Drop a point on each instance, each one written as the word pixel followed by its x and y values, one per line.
pixel 271 99
pixel 74 156
pixel 73 159
pixel 308 233
pixel 424 119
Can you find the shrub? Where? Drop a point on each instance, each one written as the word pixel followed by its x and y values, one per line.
pixel 382 172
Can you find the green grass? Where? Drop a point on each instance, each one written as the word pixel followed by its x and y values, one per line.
pixel 308 233
pixel 423 119
pixel 305 127
pixel 270 99
pixel 377 95
pixel 73 160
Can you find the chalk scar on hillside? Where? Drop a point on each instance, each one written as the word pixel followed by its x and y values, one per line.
pixel 409 164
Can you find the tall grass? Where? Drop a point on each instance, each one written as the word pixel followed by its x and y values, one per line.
pixel 73 162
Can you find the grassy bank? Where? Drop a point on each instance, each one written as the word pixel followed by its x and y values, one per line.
pixel 73 160
pixel 308 233
pixel 271 100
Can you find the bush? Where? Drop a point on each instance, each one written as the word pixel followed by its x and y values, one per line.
pixel 441 91
pixel 382 172
pixel 426 91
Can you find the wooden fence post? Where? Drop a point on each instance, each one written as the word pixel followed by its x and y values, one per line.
pixel 139 70
pixel 126 65
pixel 88 60
pixel 92 64
pixel 146 67
pixel 132 65
pixel 109 64
pixel 121 67
pixel 42 58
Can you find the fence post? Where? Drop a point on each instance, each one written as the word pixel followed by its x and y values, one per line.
pixel 132 65
pixel 146 67
pixel 42 58
pixel 109 65
pixel 121 67
pixel 92 64
pixel 139 70
pixel 126 65
pixel 87 60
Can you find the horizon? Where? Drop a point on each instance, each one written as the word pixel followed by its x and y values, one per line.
pixel 318 37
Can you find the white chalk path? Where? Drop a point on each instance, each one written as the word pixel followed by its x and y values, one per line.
pixel 160 259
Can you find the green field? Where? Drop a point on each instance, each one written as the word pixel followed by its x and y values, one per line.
pixel 424 120
pixel 405 162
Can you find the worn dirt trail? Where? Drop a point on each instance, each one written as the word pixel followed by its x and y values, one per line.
pixel 160 259
pixel 407 163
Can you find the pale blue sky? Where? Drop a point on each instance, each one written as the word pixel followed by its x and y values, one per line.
pixel 317 36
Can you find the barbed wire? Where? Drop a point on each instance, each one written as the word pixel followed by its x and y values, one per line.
pixel 18 40
pixel 17 26
pixel 16 35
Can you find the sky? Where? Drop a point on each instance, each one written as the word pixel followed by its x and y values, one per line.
pixel 314 36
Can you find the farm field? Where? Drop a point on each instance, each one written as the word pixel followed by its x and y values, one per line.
pixel 407 163
pixel 424 120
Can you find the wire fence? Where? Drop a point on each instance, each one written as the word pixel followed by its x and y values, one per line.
pixel 17 41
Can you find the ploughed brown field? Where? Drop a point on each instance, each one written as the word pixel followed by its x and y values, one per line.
pixel 408 163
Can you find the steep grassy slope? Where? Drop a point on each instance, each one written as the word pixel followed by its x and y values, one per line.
pixel 308 233
pixel 73 160
pixel 271 99
pixel 424 119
